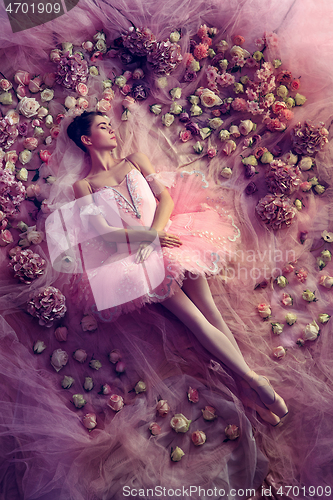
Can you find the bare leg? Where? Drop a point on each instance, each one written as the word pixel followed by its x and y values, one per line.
pixel 217 343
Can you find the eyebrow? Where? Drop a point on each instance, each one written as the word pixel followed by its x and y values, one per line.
pixel 103 123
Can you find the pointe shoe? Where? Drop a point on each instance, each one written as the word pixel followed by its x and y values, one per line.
pixel 251 399
pixel 265 391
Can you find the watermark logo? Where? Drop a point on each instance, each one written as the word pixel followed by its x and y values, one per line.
pixel 30 13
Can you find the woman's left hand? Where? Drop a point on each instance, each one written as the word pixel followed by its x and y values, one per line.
pixel 145 249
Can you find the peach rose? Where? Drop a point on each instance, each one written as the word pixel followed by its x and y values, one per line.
pixel 116 403
pixel 103 105
pixel 279 352
pixel 22 77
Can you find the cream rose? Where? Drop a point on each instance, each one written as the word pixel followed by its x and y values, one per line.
pixel 246 126
pixel 6 98
pixel 175 108
pixel 326 281
pixel 306 163
pixel 300 99
pixel 22 174
pixel 226 172
pixel 95 364
pixel 39 346
pixel 229 147
pixel 177 454
pixel 67 382
pixel 180 423
pixel 176 93
pixel 70 102
pixel 232 432
pixel 28 107
pixel 140 387
pixel 25 156
pixel 215 123
pixel 88 384
pixel 209 99
pixel 103 105
pixel 277 328
pixel 154 428
pixel 168 119
pixel 78 400
pixel 47 95
pixel 281 281
pixel 311 331
pixel 290 318
pixel 323 318
pixel 162 408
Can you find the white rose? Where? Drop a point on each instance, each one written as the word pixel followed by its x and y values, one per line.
pixel 215 123
pixel 306 163
pixel 22 174
pixel 99 36
pixel 195 110
pixel 300 99
pixel 38 132
pixel 107 84
pixel 67 47
pixel 42 112
pixel 28 106
pixel 224 135
pixel 290 158
pixel 156 108
pixel 194 99
pixel 49 121
pixel 176 93
pixel 246 126
pixel 194 66
pixel 47 95
pixel 174 36
pixel 168 119
pixel 78 400
pixel 223 63
pixel 311 331
pixel 180 423
pixel 25 156
pixel 226 172
pixel 6 98
pixel 234 130
pixel 277 328
pixel 93 71
pixel 282 91
pixel 101 46
pixel 209 99
pixel 70 102
pixel 162 82
pixel 198 148
pixel 205 132
pixel 175 108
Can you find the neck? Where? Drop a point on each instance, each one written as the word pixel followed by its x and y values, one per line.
pixel 101 161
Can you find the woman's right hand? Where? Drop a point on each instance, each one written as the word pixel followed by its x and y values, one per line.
pixel 168 240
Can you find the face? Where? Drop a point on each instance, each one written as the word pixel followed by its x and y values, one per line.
pixel 102 136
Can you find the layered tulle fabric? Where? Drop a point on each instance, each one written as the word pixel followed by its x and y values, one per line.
pixel 46 452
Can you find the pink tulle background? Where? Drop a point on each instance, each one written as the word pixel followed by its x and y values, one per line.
pixel 45 451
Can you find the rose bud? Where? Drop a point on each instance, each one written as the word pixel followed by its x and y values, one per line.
pixel 78 400
pixel 114 356
pixel 264 310
pixel 281 281
pixel 80 355
pixel 106 389
pixel 67 382
pixel 289 268
pixel 198 438
pixel 177 454
pixel 290 318
pixel 61 333
pixel 279 352
pixel 59 359
pixel 287 299
pixel 300 342
pixel 301 275
pixel 326 255
pixel 32 190
pixel 116 402
pixel 120 367
pixel 89 421
pixel 140 387
pixel 277 328
pixel 155 429
pixel 209 413
pixel 180 423
pixel 323 318
pixel 232 432
pixel 95 364
pixel 162 408
pixel 88 323
pixel 309 296
pixel 311 331
pixel 39 346
pixel 88 384
pixel 193 395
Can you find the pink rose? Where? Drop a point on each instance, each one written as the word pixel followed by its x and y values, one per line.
pixel 185 135
pixel 264 310
pixel 232 432
pixel 11 156
pixel 55 55
pixel 58 118
pixel 301 275
pixel 211 153
pixel 82 103
pixel 305 186
pixel 216 112
pixel 155 429
pixel 229 147
pixel 103 105
pixel 326 281
pixel 106 389
pixel 30 143
pixel 82 89
pixel 209 413
pixel 238 40
pixel 22 77
pixel 80 355
pixel 33 190
pixel 116 402
pixel 162 408
pixel 34 237
pixel 120 367
pixel 193 395
pixel 59 359
pixel 198 438
pixel 114 356
pixel 6 237
pixel 108 95
pixel 239 104
pixel 45 207
pixel 287 299
pixel 96 55
pixel 21 91
pixel 288 268
pixel 35 85
pixel 295 85
pixel 126 89
pixel 61 333
pixel 279 352
pixel 89 421
pixel 49 79
pixel 127 75
pixel 278 106
pixel 54 132
pixel 5 84
pixel 129 102
pixel 88 323
pixel 180 423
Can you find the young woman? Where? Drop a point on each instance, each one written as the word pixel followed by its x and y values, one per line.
pixel 125 187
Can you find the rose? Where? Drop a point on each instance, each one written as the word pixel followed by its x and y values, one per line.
pixel 323 318
pixel 138 74
pixel 175 108
pixel 89 421
pixel 300 99
pixel 234 130
pixel 264 310
pixel 177 454
pixel 319 189
pixel 250 160
pixel 49 121
pixel 28 107
pixel 34 237
pixel 215 123
pixel 21 91
pixel 108 95
pixel 88 323
pixel 209 99
pixel 309 296
pixel 306 163
pixel 114 356
pixel 140 387
pixel 326 281
pixel 88 384
pixel 120 81
pixel 103 105
pixel 70 102
pixel 42 112
pixel 55 55
pixel 32 190
pixel 156 108
pixel 238 88
pixel 11 156
pixel 26 155
pixel 67 382
pixel 290 318
pixel 279 352
pixel 195 110
pixel 198 147
pixel 305 186
pixel 232 432
pixel 311 331
pixel 49 79
pixel 120 367
pixel 116 403
pixel 95 364
pixel 44 155
pixel 176 93
pixel 22 174
pixel 5 84
pixel 194 99
pixel 155 429
pixel 38 132
pixel 193 395
pixel 101 46
pixel 281 281
pixel 67 47
pixel 6 98
pixel 82 103
pixel 205 132
pixel 162 408
pixel 298 204
pixel 287 299
pixel 180 423
pixel 39 346
pixel 198 438
pixel 59 359
pixel 211 152
pixel 80 355
pixel 224 135
pixel 277 328
pixel 226 172
pixel 106 389
pixel 194 66
pixel 246 126
pixel 185 135
pixel 61 333
pixel 35 85
pixel 209 413
pixel 22 77
pixel 47 95
pixel 168 119
pixel 326 255
pixel 78 400
pixel 301 275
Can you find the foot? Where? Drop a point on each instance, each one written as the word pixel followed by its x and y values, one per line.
pixel 251 399
pixel 266 393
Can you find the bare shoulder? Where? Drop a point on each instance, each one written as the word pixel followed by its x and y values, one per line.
pixel 142 161
pixel 81 188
